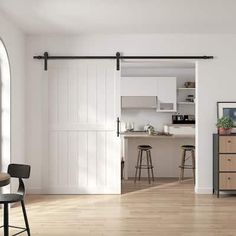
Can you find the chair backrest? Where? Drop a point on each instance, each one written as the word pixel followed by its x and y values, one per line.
pixel 19 171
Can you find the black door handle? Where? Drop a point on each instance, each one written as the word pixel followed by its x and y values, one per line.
pixel 118 126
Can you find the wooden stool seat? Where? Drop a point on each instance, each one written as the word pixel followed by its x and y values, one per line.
pixel 139 166
pixel 183 165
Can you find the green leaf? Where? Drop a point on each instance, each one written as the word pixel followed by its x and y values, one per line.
pixel 225 122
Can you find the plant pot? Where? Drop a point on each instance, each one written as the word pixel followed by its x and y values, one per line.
pixel 225 131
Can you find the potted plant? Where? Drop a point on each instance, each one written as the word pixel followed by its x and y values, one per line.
pixel 225 125
pixel 149 128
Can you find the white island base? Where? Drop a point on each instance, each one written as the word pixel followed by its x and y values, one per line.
pixel 166 153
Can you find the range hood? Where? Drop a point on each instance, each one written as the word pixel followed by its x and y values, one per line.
pixel 144 102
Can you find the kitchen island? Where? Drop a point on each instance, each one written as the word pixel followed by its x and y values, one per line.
pixel 166 152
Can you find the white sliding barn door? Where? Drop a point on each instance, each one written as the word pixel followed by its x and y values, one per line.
pixel 82 150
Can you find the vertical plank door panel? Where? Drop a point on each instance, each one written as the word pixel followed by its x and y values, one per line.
pixel 83 151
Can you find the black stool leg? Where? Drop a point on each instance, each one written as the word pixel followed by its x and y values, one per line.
pixel 140 164
pixel 148 167
pixel 150 160
pixel 6 220
pixel 25 217
pixel 181 177
pixel 136 171
pixel 193 164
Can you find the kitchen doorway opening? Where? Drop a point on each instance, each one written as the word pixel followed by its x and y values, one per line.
pixel 158 108
pixel 5 107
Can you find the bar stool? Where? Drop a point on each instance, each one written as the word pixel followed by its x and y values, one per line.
pixel 140 166
pixel 191 150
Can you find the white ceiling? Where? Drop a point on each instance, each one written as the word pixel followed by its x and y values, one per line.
pixel 122 16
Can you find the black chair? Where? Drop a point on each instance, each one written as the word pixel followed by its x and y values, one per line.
pixel 20 172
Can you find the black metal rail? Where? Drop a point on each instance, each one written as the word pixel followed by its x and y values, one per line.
pixel 117 57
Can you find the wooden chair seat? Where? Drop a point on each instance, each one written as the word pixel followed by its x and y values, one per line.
pixel 10 198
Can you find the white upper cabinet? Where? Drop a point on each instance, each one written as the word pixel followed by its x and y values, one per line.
pixel 162 87
pixel 166 94
pixel 138 86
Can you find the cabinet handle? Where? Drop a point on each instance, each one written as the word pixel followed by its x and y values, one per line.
pixel 229 178
pixel 229 159
pixel 118 126
pixel 229 141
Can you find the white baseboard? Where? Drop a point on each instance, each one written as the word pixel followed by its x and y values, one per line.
pixel 63 190
pixel 203 190
pixel 41 191
pixel 34 191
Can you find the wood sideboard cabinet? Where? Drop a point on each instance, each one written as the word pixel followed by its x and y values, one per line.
pixel 224 163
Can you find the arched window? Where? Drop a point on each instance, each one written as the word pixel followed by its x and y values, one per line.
pixel 5 107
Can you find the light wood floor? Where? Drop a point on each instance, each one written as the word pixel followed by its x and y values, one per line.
pixel 167 209
pixel 129 186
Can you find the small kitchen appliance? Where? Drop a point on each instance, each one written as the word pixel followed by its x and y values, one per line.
pixel 183 119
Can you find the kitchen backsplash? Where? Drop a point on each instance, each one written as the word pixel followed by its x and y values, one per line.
pixel 143 117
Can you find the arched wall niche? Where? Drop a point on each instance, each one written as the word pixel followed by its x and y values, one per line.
pixel 5 101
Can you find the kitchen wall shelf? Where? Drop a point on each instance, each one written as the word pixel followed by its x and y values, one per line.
pixel 186 103
pixel 186 88
pixel 167 111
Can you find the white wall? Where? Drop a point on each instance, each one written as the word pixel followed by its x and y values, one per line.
pixel 215 81
pixel 14 41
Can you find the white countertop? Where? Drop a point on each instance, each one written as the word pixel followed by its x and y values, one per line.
pixel 146 135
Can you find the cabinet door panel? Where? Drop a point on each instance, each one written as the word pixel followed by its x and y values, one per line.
pixel 138 86
pixel 228 181
pixel 167 89
pixel 166 93
pixel 227 144
pixel 227 162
